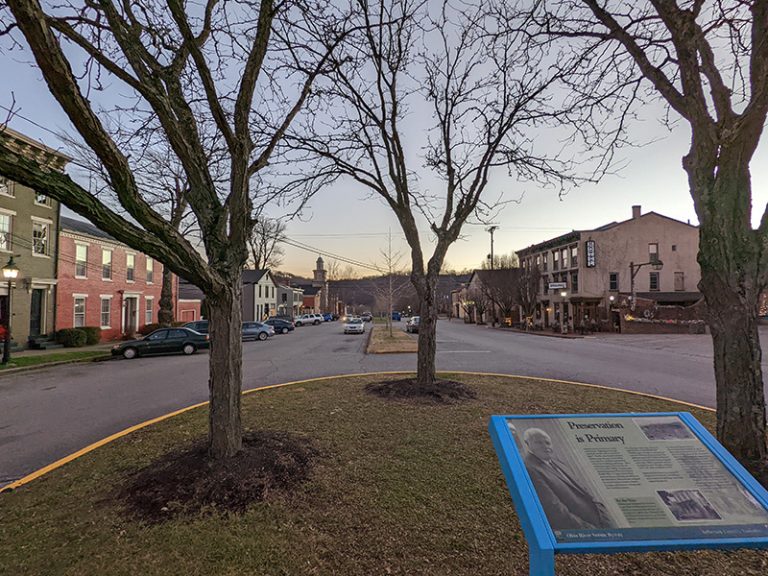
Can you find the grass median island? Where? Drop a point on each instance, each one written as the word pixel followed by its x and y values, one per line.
pixel 42 359
pixel 395 487
pixel 400 341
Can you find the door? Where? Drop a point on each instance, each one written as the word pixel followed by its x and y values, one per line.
pixel 155 343
pixel 36 312
pixel 129 319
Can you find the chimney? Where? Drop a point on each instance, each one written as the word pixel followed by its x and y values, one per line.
pixel 636 211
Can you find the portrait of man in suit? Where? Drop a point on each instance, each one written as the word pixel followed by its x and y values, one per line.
pixel 568 504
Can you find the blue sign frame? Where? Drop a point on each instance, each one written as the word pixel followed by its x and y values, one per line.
pixel 543 545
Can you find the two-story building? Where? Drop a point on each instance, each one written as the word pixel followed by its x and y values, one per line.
pixel 259 295
pixel 102 282
pixel 290 299
pixel 29 233
pixel 585 272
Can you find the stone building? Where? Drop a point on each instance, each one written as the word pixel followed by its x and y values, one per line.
pixel 29 224
pixel 585 273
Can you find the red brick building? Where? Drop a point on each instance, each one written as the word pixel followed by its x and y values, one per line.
pixel 104 283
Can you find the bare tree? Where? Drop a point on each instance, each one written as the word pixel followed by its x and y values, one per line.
pixel 208 77
pixel 501 288
pixel 500 261
pixel 396 281
pixel 528 285
pixel 485 93
pixel 480 303
pixel 708 62
pixel 265 242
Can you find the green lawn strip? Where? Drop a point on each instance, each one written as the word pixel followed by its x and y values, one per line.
pixel 37 360
pixel 399 489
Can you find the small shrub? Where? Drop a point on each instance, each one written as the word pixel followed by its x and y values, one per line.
pixel 149 328
pixel 71 337
pixel 92 334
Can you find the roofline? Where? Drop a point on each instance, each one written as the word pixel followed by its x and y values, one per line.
pixel 605 227
pixel 5 129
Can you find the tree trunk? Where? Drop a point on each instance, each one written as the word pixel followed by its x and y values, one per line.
pixel 165 313
pixel 731 288
pixel 425 371
pixel 225 381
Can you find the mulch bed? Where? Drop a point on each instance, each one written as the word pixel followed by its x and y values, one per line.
pixel 438 392
pixel 189 482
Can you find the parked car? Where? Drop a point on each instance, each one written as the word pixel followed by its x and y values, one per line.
pixel 413 324
pixel 281 326
pixel 396 316
pixel 257 331
pixel 285 317
pixel 366 316
pixel 328 317
pixel 164 341
pixel 306 319
pixel 200 326
pixel 354 326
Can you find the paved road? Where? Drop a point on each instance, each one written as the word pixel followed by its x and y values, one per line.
pixel 47 414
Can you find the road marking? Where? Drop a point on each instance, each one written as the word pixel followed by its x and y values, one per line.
pixel 91 447
pixel 463 351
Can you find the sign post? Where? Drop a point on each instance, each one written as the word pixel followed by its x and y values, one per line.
pixel 608 483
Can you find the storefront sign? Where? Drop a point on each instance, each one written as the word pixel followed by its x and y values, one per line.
pixel 557 285
pixel 593 483
pixel 591 259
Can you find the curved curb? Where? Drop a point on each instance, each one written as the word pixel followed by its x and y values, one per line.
pixel 91 447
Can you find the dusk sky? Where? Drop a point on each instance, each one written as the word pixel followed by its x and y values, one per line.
pixel 346 221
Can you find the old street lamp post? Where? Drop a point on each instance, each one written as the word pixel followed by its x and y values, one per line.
pixel 564 316
pixel 10 272
pixel 634 269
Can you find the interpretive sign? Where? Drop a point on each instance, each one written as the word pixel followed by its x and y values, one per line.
pixel 625 482
pixel 557 285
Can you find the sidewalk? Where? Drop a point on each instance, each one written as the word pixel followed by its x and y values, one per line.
pixel 105 346
pixel 25 360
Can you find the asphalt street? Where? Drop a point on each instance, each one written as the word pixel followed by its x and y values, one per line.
pixel 47 414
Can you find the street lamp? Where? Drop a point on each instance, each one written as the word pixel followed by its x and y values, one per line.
pixel 10 272
pixel 633 270
pixel 563 317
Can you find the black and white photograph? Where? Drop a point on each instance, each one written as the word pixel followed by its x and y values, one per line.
pixel 688 505
pixel 567 495
pixel 664 429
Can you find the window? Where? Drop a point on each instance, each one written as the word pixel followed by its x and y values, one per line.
pixel 148 313
pixel 106 264
pixel 555 260
pixel 106 312
pixel 5 232
pixel 538 261
pixel 653 252
pixel 613 281
pixel 654 281
pixel 150 270
pixel 259 290
pixel 544 286
pixel 544 261
pixel 159 335
pixel 42 199
pixel 574 282
pixel 79 311
pixel 81 260
pixel 564 258
pixel 574 256
pixel 679 281
pixel 6 187
pixel 130 267
pixel 674 247
pixel 177 334
pixel 41 233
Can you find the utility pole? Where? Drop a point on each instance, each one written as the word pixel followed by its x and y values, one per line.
pixel 492 229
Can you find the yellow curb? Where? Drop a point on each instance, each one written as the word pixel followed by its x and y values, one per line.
pixel 91 447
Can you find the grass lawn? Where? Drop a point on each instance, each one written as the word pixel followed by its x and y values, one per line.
pixel 399 488
pixel 400 341
pixel 39 359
